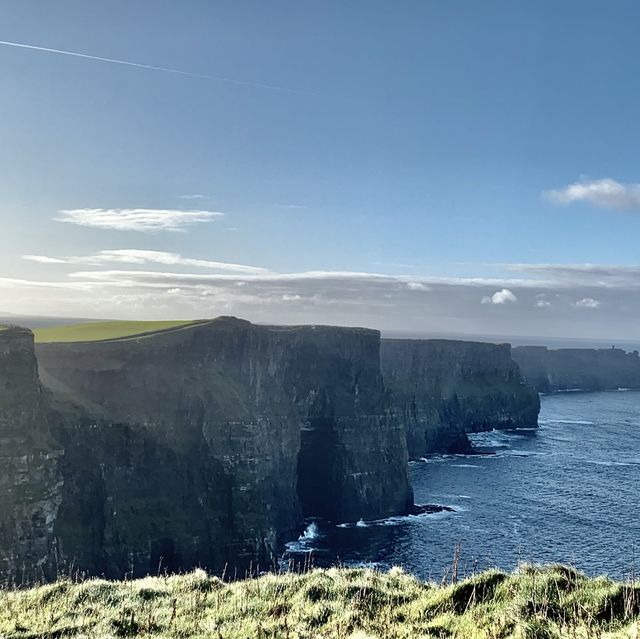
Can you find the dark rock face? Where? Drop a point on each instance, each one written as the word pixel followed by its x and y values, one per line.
pixel 443 389
pixel 30 480
pixel 586 369
pixel 208 445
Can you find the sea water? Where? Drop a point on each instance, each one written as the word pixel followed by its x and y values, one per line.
pixel 567 492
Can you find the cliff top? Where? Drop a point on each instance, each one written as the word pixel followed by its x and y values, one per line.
pixel 461 343
pixel 553 602
pixel 106 331
pixel 119 330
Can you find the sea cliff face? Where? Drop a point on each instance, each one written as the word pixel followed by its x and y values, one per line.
pixel 443 389
pixel 578 368
pixel 30 480
pixel 209 445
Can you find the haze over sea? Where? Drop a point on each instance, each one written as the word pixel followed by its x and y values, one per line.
pixel 566 492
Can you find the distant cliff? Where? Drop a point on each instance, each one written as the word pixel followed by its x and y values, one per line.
pixel 575 368
pixel 443 389
pixel 209 444
pixel 30 479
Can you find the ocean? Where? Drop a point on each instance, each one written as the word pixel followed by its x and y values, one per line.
pixel 566 492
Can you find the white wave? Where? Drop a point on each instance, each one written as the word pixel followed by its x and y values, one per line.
pixel 400 519
pixel 610 463
pixel 304 542
pixel 465 466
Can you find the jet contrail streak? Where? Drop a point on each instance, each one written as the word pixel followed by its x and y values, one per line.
pixel 204 76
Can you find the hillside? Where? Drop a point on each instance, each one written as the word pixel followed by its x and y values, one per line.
pixel 99 331
pixel 549 602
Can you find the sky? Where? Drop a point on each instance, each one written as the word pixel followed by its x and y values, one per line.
pixel 416 165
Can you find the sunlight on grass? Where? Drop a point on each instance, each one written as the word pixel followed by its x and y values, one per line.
pixel 554 601
pixel 97 331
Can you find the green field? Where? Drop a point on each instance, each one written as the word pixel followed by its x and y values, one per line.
pixel 338 603
pixel 97 331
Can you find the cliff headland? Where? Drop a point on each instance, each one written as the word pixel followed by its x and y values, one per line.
pixel 587 369
pixel 210 443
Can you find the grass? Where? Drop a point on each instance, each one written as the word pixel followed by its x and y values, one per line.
pixel 534 602
pixel 98 331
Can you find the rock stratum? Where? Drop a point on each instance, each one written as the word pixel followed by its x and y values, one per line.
pixel 586 369
pixel 443 389
pixel 210 444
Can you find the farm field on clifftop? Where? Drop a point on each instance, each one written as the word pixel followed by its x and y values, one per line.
pixel 100 331
pixel 550 602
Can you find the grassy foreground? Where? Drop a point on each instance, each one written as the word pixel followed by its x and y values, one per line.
pixel 98 331
pixel 555 601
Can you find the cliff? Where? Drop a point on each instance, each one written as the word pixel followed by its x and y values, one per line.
pixel 30 480
pixel 574 368
pixel 209 444
pixel 443 389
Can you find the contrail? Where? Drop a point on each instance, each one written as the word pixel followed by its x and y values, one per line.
pixel 204 76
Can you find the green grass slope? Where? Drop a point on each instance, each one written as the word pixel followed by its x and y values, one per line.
pixel 99 331
pixel 549 602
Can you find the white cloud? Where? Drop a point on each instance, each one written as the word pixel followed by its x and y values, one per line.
pixel 543 304
pixel 140 256
pixel 417 286
pixel 587 302
pixel 500 297
pixel 144 220
pixel 193 196
pixel 43 259
pixel 606 193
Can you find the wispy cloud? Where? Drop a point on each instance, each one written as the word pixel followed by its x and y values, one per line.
pixel 605 193
pixel 151 67
pixel 575 275
pixel 500 297
pixel 144 220
pixel 44 259
pixel 140 256
pixel 193 196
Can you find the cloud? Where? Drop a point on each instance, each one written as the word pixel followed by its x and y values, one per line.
pixel 500 297
pixel 144 220
pixel 542 304
pixel 193 196
pixel 587 302
pixel 575 275
pixel 605 193
pixel 417 286
pixel 140 256
pixel 43 259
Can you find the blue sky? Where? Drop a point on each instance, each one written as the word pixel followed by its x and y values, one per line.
pixel 415 157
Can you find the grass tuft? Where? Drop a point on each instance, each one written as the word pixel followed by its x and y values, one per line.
pixel 339 603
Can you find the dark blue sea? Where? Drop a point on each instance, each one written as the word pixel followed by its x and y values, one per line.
pixel 567 492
